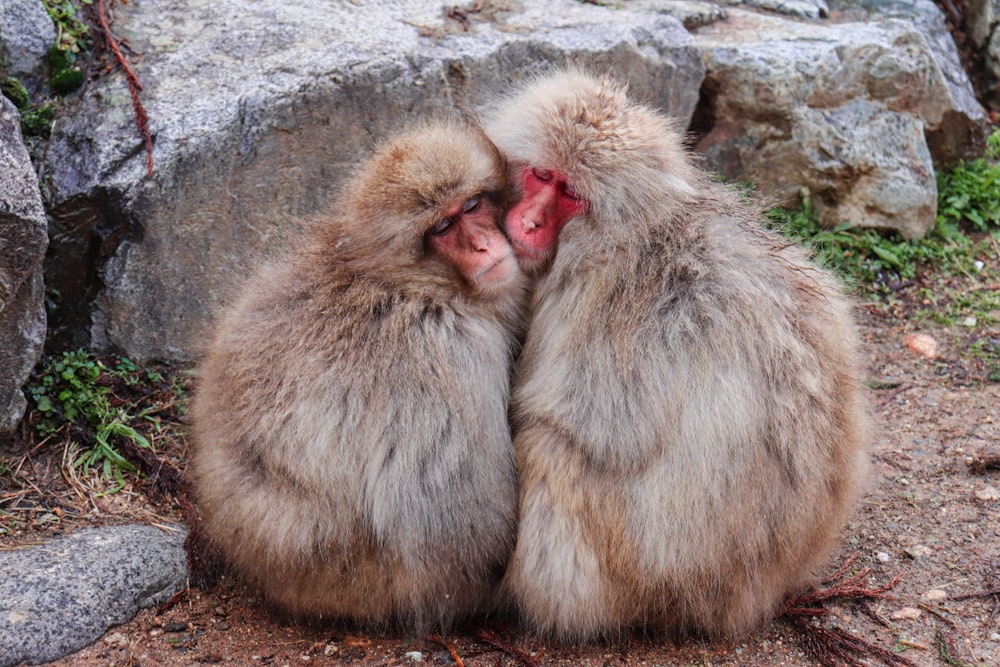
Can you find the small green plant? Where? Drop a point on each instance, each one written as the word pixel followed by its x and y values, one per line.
pixel 73 40
pixel 72 34
pixel 870 260
pixel 73 389
pixel 970 191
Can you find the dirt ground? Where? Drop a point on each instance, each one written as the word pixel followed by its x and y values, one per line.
pixel 930 517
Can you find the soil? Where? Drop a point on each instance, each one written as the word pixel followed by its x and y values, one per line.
pixel 931 519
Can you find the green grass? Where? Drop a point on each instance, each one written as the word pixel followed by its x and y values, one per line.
pixel 73 395
pixel 872 261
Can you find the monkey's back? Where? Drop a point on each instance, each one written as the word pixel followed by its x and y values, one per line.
pixel 690 432
pixel 352 451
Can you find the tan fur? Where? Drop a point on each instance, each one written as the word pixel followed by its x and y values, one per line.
pixel 352 449
pixel 690 433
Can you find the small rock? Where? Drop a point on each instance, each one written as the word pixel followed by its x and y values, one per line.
pixel 175 627
pixel 330 649
pixel 922 344
pixel 988 493
pixel 970 321
pixel 882 556
pixel 906 613
pixel 935 594
pixel 116 639
pixel 919 552
pixel 415 656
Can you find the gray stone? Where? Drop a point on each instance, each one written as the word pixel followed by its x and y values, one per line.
pixel 981 18
pixel 845 110
pixel 26 33
pixel 955 121
pixel 260 109
pixel 23 241
pixel 59 597
pixel 807 9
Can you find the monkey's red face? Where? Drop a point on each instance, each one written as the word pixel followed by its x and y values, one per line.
pixel 469 238
pixel 533 223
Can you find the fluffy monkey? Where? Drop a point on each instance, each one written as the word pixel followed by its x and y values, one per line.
pixel 688 411
pixel 353 454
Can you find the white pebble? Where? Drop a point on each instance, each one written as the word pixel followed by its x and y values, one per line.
pixel 415 656
pixel 882 556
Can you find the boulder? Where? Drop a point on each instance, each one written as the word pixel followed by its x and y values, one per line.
pixel 22 250
pixel 259 110
pixel 26 33
pixel 851 111
pixel 61 596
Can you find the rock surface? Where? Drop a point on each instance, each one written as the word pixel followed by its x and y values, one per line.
pixel 26 33
pixel 57 598
pixel 851 109
pixel 259 110
pixel 22 249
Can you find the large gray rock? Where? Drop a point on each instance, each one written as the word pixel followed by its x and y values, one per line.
pixel 26 33
pixel 846 110
pixel 57 598
pixel 22 248
pixel 260 109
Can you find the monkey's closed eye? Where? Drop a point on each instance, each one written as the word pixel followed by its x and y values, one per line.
pixel 542 174
pixel 441 228
pixel 570 192
pixel 471 205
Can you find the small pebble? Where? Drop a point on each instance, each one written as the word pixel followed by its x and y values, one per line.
pixel 922 344
pixel 906 613
pixel 175 627
pixel 935 594
pixel 415 656
pixel 330 649
pixel 988 493
pixel 115 639
pixel 882 556
pixel 918 552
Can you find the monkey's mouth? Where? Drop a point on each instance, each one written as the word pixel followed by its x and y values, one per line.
pixel 528 253
pixel 498 272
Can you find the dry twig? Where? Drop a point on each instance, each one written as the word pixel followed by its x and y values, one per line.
pixel 492 639
pixel 134 85
pixel 834 647
pixel 451 649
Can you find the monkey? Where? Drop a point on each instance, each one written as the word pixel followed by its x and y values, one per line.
pixel 352 452
pixel 689 426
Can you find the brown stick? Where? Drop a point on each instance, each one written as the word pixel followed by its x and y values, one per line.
pixel 134 85
pixel 491 639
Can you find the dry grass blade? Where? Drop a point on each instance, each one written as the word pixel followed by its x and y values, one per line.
pixel 492 639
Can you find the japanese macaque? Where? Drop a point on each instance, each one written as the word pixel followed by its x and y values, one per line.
pixel 688 413
pixel 353 454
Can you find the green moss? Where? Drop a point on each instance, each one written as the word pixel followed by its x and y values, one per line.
pixel 15 91
pixel 38 122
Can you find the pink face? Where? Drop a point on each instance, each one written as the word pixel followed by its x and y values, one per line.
pixel 533 224
pixel 469 238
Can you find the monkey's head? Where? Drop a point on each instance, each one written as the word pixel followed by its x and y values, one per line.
pixel 425 212
pixel 588 166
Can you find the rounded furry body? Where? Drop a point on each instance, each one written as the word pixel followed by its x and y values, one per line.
pixel 352 450
pixel 688 412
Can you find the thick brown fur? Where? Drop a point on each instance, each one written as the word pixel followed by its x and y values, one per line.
pixel 352 454
pixel 688 409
